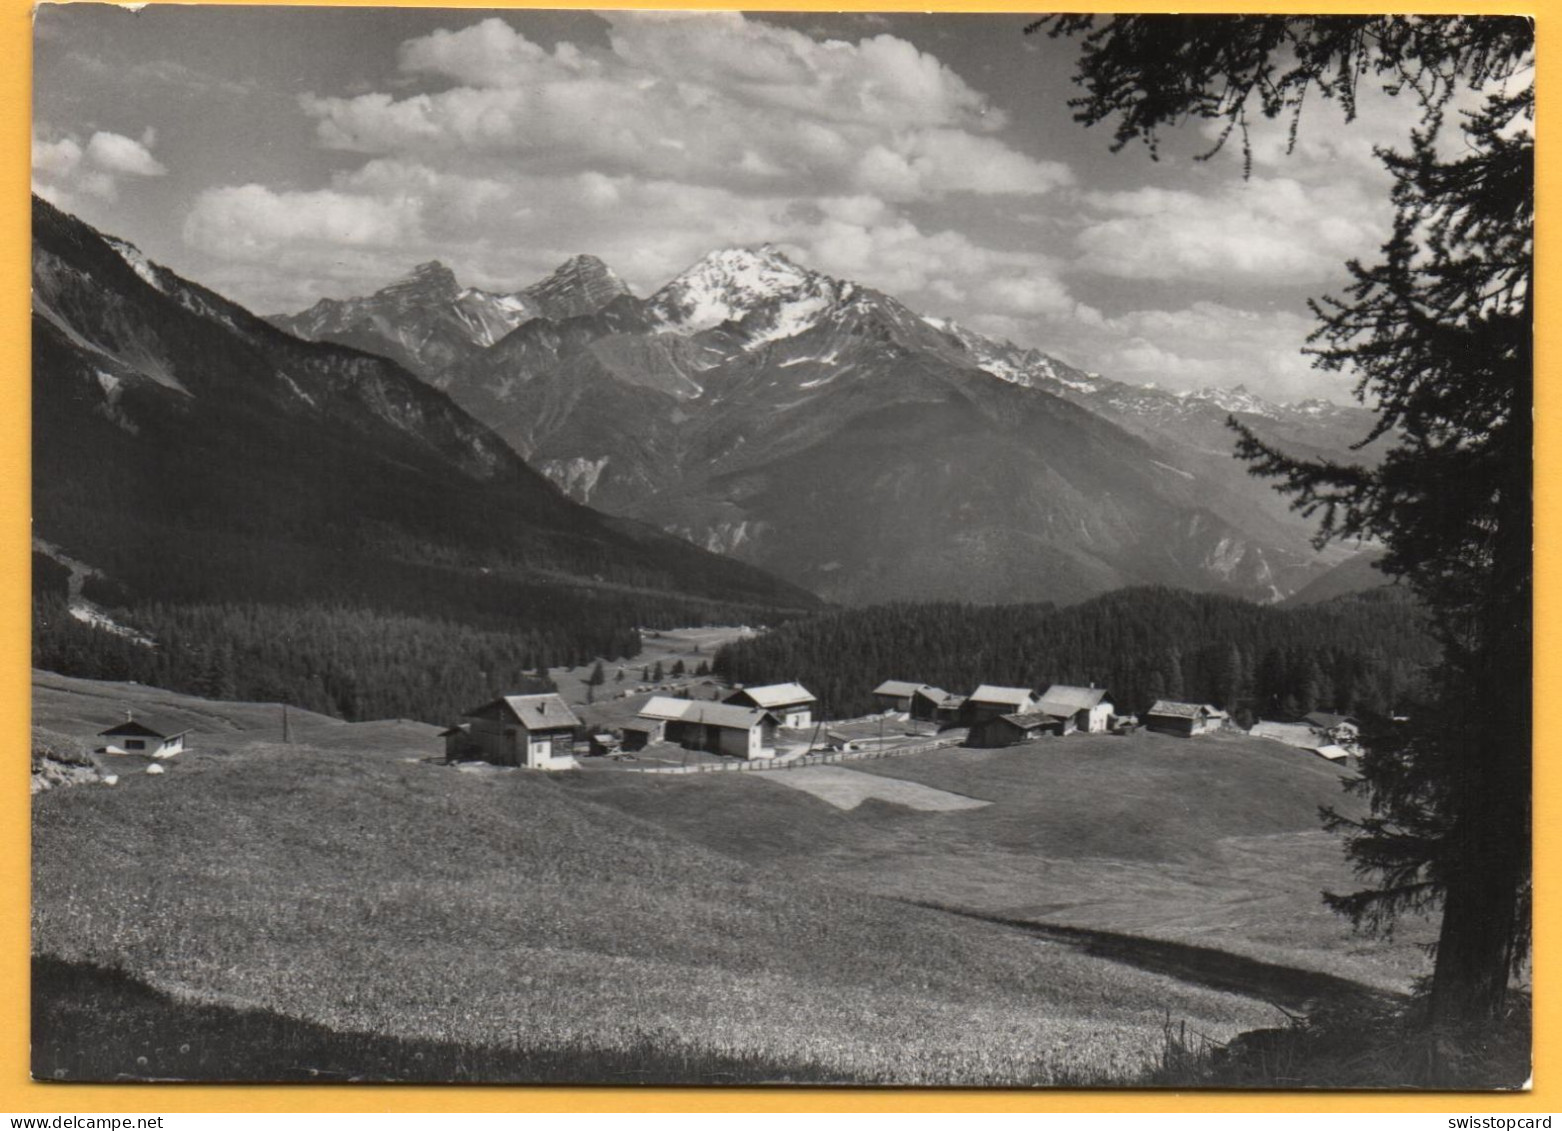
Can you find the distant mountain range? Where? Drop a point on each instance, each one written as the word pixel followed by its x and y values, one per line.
pixel 190 451
pixel 826 432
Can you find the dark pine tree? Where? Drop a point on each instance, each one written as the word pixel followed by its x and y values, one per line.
pixel 1438 332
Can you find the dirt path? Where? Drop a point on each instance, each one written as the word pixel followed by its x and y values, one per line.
pixel 1292 989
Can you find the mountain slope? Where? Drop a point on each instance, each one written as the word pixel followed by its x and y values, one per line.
pixel 191 452
pixel 827 432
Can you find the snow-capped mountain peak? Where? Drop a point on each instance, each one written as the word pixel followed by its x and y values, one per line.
pixel 1235 399
pixel 731 284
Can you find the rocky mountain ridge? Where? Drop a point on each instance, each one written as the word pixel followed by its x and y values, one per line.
pixel 709 407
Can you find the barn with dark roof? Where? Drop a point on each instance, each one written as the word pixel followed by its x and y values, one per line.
pixel 1168 716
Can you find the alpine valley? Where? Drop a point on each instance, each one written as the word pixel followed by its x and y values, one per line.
pixel 827 433
pixel 307 521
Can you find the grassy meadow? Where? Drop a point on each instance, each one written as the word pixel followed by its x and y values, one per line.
pixel 345 906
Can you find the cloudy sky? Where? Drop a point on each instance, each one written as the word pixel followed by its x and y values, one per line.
pixel 280 155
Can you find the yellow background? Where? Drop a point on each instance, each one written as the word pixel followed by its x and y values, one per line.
pixel 18 1094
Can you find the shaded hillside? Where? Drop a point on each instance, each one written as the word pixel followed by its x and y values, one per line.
pixel 193 455
pixel 1361 654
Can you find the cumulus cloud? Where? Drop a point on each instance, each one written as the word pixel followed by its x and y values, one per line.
pixel 708 98
pixel 253 221
pixel 1272 230
pixel 66 172
pixel 1204 344
pixel 503 233
pixel 115 153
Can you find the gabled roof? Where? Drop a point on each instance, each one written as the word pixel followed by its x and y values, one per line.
pixel 1030 719
pixel 1171 709
pixel 776 694
pixel 663 708
pixel 459 728
pixel 1061 698
pixel 900 688
pixel 937 694
pixel 534 712
pixel 1004 696
pixel 144 728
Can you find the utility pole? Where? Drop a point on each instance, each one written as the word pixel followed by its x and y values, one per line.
pixel 287 730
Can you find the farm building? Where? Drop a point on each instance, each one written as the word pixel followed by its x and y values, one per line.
pixel 1185 719
pixel 1305 736
pixel 535 731
pixel 1089 707
pixel 895 694
pixel 642 732
pixel 605 743
pixel 989 701
pixel 457 739
pixel 716 728
pixel 929 701
pixel 919 700
pixel 1010 730
pixel 951 711
pixel 1342 728
pixel 1300 735
pixel 143 736
pixel 791 703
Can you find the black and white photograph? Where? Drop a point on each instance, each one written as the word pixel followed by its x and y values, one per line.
pixel 716 548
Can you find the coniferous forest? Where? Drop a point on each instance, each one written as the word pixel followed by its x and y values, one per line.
pixel 1365 654
pixel 404 642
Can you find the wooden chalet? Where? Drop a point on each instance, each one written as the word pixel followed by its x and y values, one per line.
pixel 716 728
pixel 791 703
pixel 1011 730
pixel 919 700
pixel 534 731
pixel 1168 716
pixel 143 736
pixel 1089 707
pixel 989 701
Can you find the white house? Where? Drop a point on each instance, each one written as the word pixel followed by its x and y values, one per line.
pixel 143 736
